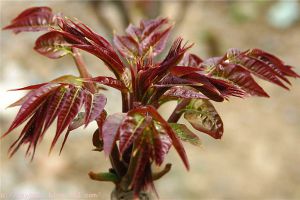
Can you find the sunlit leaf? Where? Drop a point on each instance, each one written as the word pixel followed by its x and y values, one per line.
pixel 185 134
pixel 53 45
pixel 203 116
pixel 94 105
pixel 33 19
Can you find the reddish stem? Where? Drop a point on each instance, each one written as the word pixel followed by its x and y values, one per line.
pixel 114 156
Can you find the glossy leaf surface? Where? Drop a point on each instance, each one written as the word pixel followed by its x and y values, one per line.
pixel 185 134
pixel 202 115
pixel 53 45
pixel 33 19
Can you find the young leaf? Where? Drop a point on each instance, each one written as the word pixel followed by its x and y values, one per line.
pixel 54 106
pixel 148 40
pixel 33 19
pixel 69 110
pixel 52 45
pixel 131 128
pixel 94 105
pixel 274 62
pixel 76 123
pixel 109 81
pixel 240 77
pixel 110 131
pixel 203 116
pixel 161 143
pixel 146 110
pixel 191 60
pixel 185 134
pixel 127 46
pixel 32 103
pixel 185 92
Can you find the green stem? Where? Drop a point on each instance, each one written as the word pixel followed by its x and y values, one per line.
pixel 104 176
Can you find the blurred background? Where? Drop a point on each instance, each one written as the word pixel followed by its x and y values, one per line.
pixel 259 154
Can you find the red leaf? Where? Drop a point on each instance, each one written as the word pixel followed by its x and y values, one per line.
pixel 126 46
pixel 110 131
pixel 161 142
pixel 95 44
pixel 261 69
pixel 227 88
pixel 191 60
pixel 274 62
pixel 33 19
pixel 31 87
pixel 76 123
pixel 32 103
pixel 131 128
pixel 241 77
pixel 183 70
pixel 146 41
pixel 55 105
pixel 153 75
pixel 184 92
pixel 149 26
pixel 203 84
pixel 175 141
pixel 155 42
pixel 69 110
pixel 115 83
pixel 94 105
pixel 52 45
pixel 30 134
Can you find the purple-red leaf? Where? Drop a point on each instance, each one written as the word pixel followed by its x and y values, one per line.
pixel 114 83
pixel 184 92
pixel 161 142
pixel 52 45
pixel 191 60
pixel 55 105
pixel 94 105
pixel 131 128
pixel 32 103
pixel 183 70
pixel 241 77
pixel 156 42
pixel 82 37
pixel 127 46
pixel 175 140
pixel 76 123
pixel 274 62
pixel 33 19
pixel 69 110
pixel 148 40
pixel 110 131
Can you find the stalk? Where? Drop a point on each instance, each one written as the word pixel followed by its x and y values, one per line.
pixel 114 156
